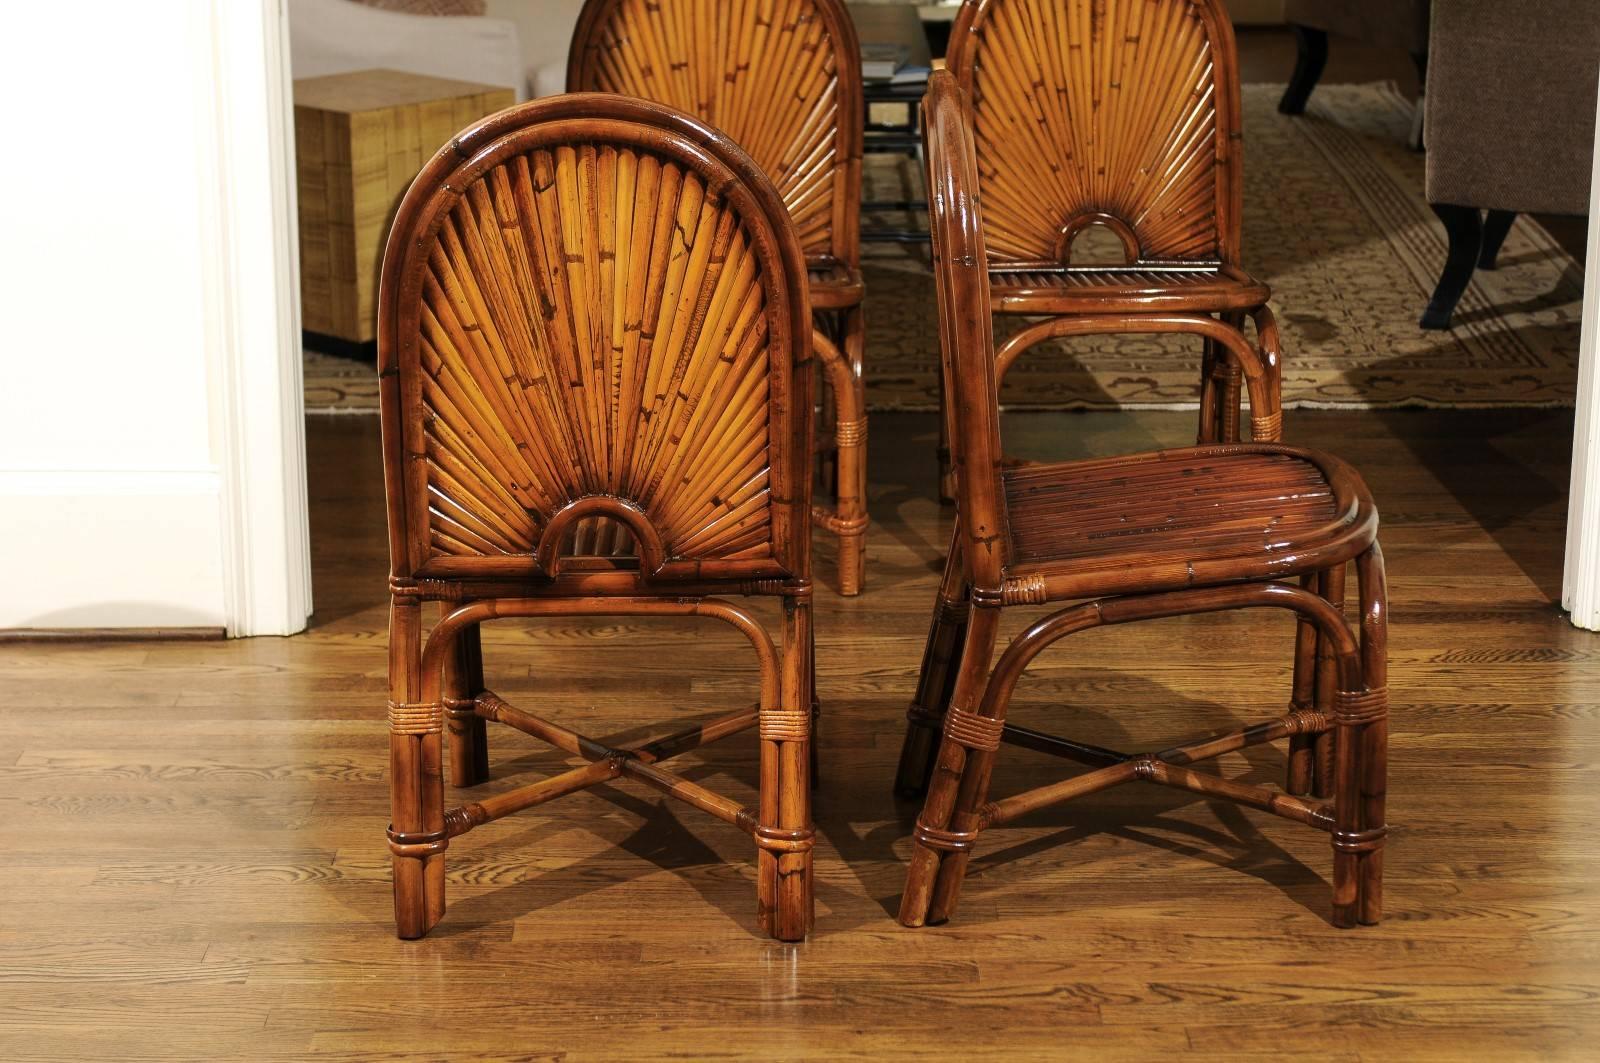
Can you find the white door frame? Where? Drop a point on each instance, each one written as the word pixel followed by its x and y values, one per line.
pixel 244 96
pixel 1580 582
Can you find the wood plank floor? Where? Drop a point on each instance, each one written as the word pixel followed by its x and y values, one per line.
pixel 194 863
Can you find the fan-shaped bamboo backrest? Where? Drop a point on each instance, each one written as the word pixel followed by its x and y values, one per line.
pixel 595 307
pixel 1118 112
pixel 966 332
pixel 782 78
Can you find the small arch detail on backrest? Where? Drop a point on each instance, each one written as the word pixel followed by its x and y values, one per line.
pixel 1082 222
pixel 647 541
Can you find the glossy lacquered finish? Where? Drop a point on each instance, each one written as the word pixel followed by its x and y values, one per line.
pixel 1165 534
pixel 1123 114
pixel 782 79
pixel 594 347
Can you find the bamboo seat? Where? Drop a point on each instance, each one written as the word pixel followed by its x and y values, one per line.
pixel 1085 290
pixel 1120 540
pixel 1121 114
pixel 1193 516
pixel 782 78
pixel 594 348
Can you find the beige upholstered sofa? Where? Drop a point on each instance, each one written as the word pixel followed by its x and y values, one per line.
pixel 1510 123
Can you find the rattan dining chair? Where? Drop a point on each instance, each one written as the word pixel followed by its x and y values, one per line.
pixel 1122 114
pixel 1163 534
pixel 594 345
pixel 782 78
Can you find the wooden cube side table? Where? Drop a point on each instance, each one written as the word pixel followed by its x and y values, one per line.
pixel 360 138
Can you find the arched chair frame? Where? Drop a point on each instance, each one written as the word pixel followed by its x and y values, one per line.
pixel 1189 114
pixel 436 683
pixel 637 48
pixel 1337 720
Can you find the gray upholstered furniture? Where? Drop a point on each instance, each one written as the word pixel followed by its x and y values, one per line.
pixel 1400 24
pixel 1511 123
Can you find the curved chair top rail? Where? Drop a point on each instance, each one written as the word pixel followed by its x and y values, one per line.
pixel 1123 113
pixel 782 78
pixel 594 307
pixel 966 331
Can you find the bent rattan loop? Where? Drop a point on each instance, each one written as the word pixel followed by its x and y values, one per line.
pixel 416 718
pixel 1361 841
pixel 973 731
pixel 417 845
pixel 1352 708
pixel 786 725
pixel 777 840
pixel 951 841
pixel 1267 428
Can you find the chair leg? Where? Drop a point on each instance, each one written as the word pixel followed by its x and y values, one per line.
pixel 1373 736
pixel 1300 772
pixel 416 780
pixel 816 708
pixel 784 836
pixel 1465 228
pixel 1312 55
pixel 1495 228
pixel 852 492
pixel 843 365
pixel 469 736
pixel 941 664
pixel 947 827
pixel 1210 429
pixel 1330 585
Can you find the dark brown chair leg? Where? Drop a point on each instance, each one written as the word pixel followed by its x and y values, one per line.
pixel 955 784
pixel 941 664
pixel 848 521
pixel 1495 228
pixel 816 708
pixel 1465 228
pixel 1330 586
pixel 1374 733
pixel 1300 772
pixel 1312 55
pixel 785 836
pixel 416 781
pixel 469 736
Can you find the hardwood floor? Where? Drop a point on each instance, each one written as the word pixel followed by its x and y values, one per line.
pixel 195 868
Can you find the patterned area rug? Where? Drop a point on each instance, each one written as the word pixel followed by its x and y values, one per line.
pixel 1334 220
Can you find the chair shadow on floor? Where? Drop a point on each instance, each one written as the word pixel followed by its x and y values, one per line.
pixel 1154 816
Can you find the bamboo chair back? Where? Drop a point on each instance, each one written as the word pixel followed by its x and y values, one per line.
pixel 966 331
pixel 782 78
pixel 593 330
pixel 1122 113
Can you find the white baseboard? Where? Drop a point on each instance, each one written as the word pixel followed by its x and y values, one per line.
pixel 145 543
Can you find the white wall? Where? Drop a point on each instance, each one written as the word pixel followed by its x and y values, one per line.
pixel 545 29
pixel 118 466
